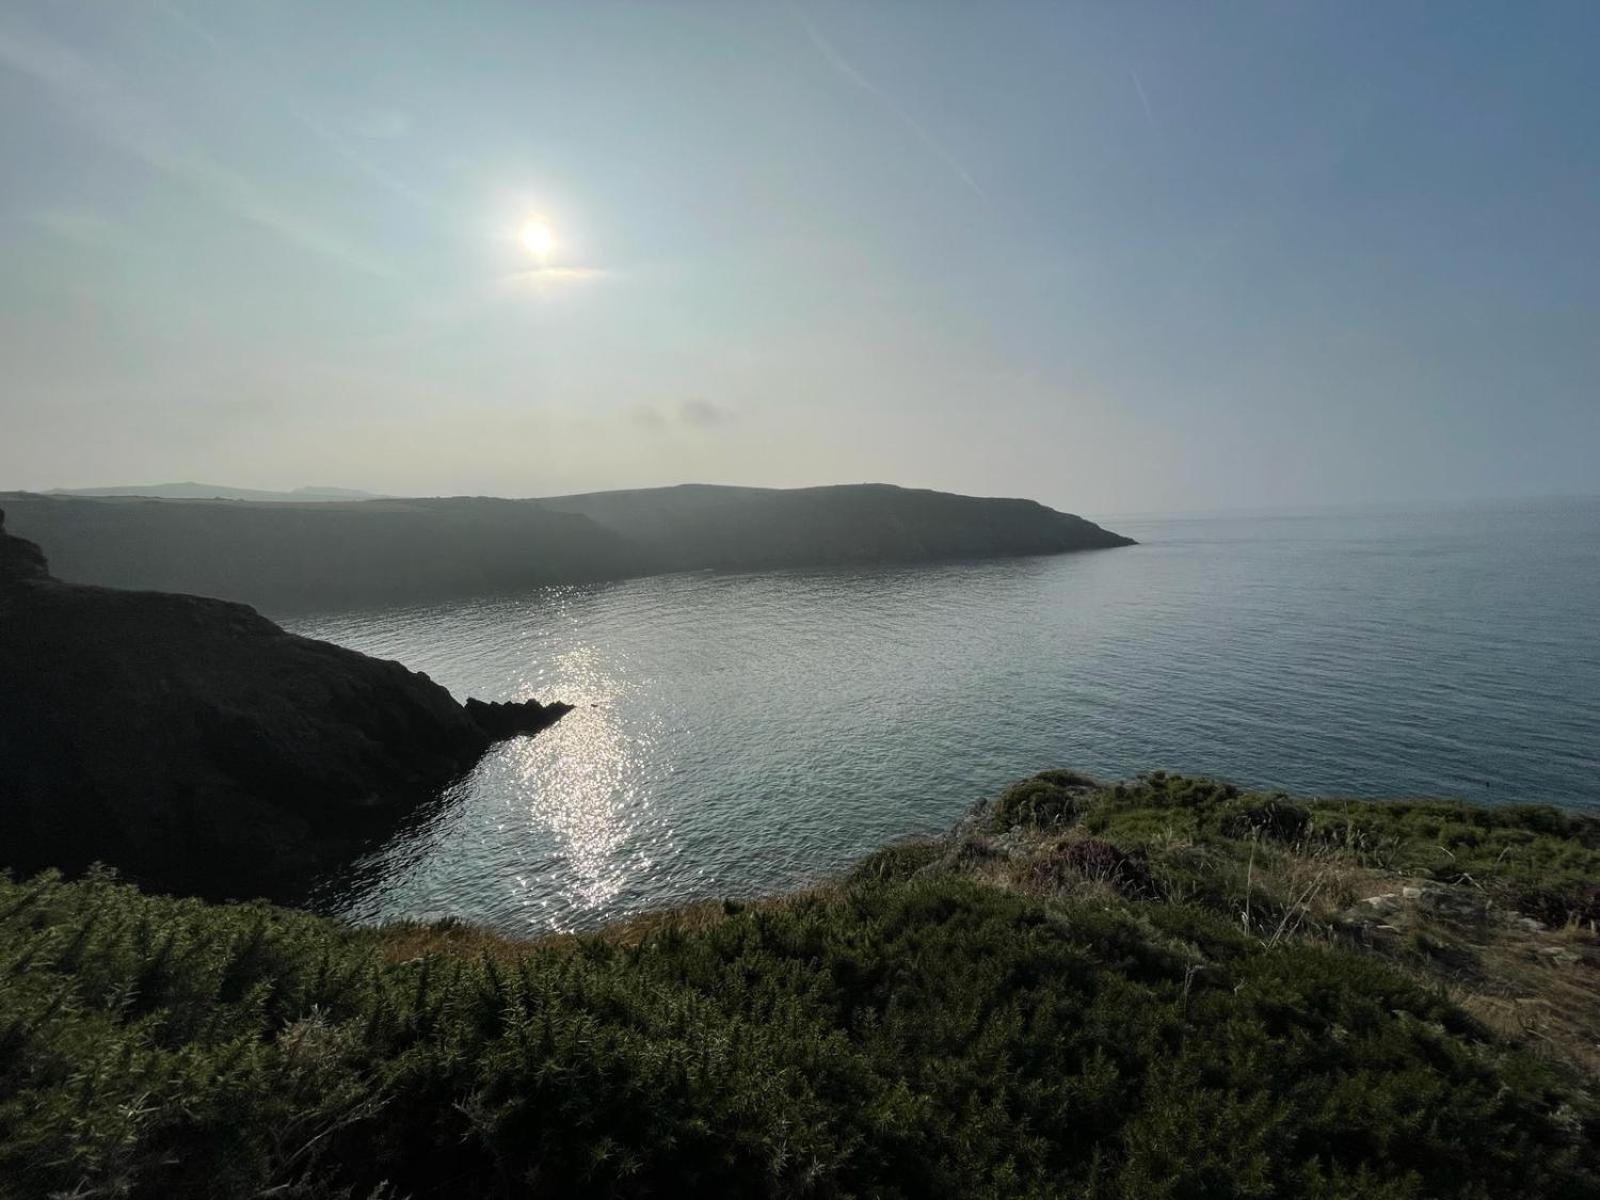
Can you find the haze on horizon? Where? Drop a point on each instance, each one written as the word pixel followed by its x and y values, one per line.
pixel 1113 258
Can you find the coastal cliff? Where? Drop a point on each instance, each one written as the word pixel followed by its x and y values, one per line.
pixel 699 526
pixel 199 748
pixel 284 557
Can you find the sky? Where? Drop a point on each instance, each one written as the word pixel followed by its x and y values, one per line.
pixel 1114 257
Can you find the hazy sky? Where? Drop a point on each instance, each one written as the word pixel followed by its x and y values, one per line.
pixel 1115 257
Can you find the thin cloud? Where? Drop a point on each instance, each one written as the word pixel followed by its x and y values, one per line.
pixel 704 414
pixel 379 124
pixel 136 129
pixel 843 67
pixel 335 143
pixel 1143 99
pixel 79 226
pixel 179 15
pixel 647 416
pixel 695 413
pixel 559 275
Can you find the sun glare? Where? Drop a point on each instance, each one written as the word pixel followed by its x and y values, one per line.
pixel 538 238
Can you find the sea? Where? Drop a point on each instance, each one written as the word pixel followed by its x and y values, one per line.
pixel 738 735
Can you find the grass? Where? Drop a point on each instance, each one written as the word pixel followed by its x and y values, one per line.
pixel 1159 988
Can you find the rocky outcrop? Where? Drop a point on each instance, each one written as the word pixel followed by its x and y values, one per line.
pixel 19 560
pixel 514 717
pixel 197 747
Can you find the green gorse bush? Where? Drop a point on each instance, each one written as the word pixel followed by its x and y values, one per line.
pixel 914 1031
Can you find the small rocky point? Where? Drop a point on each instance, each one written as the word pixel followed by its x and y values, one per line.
pixel 197 747
pixel 514 717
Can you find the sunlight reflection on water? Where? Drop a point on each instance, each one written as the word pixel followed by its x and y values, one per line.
pixel 741 734
pixel 567 806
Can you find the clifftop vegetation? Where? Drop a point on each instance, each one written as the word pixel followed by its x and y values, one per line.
pixel 1160 988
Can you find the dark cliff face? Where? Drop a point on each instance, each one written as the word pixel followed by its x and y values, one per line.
pixel 19 559
pixel 196 746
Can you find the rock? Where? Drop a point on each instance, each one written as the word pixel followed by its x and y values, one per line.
pixel 1560 955
pixel 1454 903
pixel 508 719
pixel 1370 930
pixel 197 747
pixel 19 560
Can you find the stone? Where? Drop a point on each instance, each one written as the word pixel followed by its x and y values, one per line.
pixel 510 718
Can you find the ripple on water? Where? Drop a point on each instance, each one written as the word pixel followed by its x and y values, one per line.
pixel 739 734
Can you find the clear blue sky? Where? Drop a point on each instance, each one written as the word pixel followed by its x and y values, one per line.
pixel 1112 256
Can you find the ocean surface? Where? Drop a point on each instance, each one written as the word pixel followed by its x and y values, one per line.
pixel 741 734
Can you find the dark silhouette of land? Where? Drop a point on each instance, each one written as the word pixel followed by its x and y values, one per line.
pixel 199 748
pixel 189 490
pixel 286 556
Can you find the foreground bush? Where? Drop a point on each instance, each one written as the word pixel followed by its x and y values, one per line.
pixel 924 1035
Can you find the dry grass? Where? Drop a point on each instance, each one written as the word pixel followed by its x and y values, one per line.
pixel 1536 987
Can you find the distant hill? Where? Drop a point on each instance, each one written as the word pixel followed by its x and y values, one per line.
pixel 699 525
pixel 295 556
pixel 286 557
pixel 217 491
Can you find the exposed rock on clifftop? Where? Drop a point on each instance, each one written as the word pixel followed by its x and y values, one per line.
pixel 197 747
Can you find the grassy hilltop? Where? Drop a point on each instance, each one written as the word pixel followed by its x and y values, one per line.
pixel 1159 988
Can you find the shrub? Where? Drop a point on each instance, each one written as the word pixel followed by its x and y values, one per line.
pixel 898 860
pixel 1049 800
pixel 1274 816
pixel 922 1037
pixel 1093 859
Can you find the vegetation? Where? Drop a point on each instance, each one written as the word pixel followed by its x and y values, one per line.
pixel 1163 988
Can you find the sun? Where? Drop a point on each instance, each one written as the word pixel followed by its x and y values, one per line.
pixel 538 238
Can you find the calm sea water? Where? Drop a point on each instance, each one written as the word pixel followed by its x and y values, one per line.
pixel 740 734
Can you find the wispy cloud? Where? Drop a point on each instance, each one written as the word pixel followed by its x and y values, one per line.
pixel 695 413
pixel 558 275
pixel 843 67
pixel 1143 99
pixel 371 125
pixel 79 226
pixel 335 142
pixel 706 414
pixel 379 124
pixel 134 128
pixel 173 12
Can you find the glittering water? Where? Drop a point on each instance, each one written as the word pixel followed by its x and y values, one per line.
pixel 740 734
